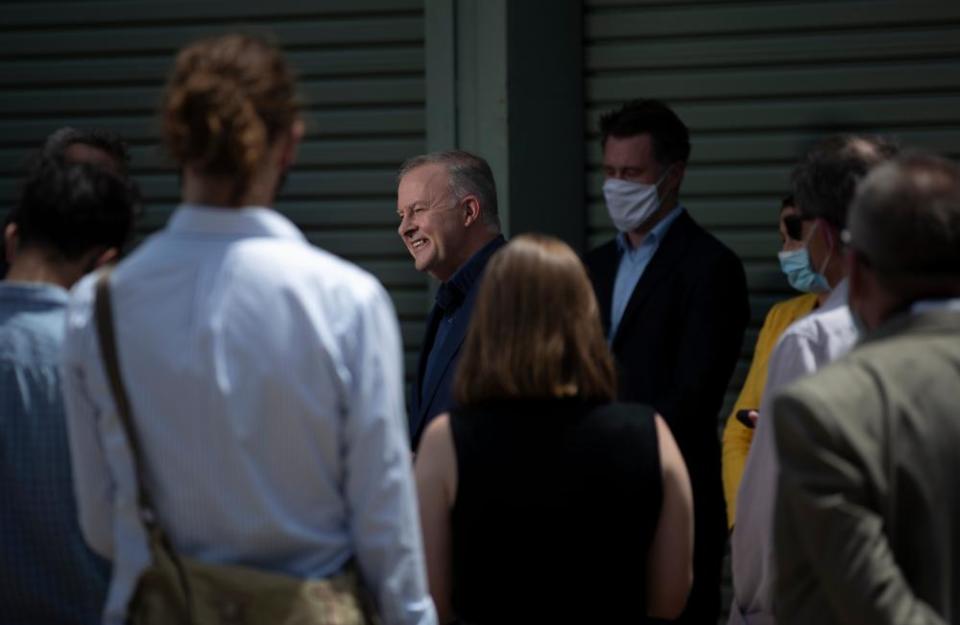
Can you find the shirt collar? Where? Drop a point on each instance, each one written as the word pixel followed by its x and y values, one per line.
pixel 242 221
pixel 837 298
pixel 38 292
pixel 928 305
pixel 451 292
pixel 655 234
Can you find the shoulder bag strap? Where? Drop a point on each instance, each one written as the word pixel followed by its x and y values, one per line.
pixel 108 349
pixel 159 543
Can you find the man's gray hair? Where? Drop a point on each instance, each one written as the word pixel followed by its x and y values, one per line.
pixel 905 218
pixel 468 174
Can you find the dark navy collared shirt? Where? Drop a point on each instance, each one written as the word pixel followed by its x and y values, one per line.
pixel 449 298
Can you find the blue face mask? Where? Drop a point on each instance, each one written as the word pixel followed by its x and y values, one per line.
pixel 800 274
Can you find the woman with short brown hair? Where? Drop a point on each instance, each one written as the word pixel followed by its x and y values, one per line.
pixel 541 500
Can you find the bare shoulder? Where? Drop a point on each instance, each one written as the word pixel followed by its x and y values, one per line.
pixel 671 460
pixel 436 457
pixel 438 434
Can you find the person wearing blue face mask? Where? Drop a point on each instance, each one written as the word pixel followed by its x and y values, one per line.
pixel 797 266
pixel 673 302
pixel 867 509
pixel 738 431
pixel 824 182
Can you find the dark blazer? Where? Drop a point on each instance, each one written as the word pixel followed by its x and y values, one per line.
pixel 432 395
pixel 676 348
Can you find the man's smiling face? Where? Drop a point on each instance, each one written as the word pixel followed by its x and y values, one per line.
pixel 431 224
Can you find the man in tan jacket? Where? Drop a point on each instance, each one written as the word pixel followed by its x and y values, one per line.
pixel 867 522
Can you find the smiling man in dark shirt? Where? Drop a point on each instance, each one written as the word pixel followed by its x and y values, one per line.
pixel 447 205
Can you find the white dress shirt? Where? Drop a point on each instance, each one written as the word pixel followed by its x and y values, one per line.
pixel 265 377
pixel 809 344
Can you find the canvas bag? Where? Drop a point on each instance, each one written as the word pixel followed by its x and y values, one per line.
pixel 176 590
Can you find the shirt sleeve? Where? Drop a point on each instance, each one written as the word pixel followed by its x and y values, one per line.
pixel 736 444
pixel 794 357
pixel 737 438
pixel 752 540
pixel 824 517
pixel 379 478
pixel 92 481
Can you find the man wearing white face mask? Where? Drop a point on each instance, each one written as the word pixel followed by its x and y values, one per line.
pixel 824 183
pixel 673 301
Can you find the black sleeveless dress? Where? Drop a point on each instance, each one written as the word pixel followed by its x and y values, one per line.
pixel 557 504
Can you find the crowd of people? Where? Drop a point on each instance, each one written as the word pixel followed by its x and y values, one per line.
pixel 214 427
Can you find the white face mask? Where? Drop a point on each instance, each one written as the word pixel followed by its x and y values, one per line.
pixel 630 204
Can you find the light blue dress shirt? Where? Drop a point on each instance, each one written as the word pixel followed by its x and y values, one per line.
pixel 633 262
pixel 265 377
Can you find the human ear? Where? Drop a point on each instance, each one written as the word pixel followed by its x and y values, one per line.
pixel 471 208
pixel 292 141
pixel 677 172
pixel 107 256
pixel 854 274
pixel 11 239
pixel 673 179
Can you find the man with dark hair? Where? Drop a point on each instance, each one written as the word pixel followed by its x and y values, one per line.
pixel 70 219
pixel 867 509
pixel 97 147
pixel 673 301
pixel 824 183
pixel 447 205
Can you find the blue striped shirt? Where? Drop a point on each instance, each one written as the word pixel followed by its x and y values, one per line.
pixel 47 573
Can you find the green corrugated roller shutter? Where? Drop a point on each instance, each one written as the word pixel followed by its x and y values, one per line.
pixel 756 82
pixel 361 68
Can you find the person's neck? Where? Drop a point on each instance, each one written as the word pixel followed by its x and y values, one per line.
pixel 470 250
pixel 207 190
pixel 36 266
pixel 637 236
pixel 834 272
pixel 899 302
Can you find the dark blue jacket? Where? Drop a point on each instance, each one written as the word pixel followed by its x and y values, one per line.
pixel 431 393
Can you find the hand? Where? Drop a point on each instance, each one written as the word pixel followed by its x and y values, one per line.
pixel 748 417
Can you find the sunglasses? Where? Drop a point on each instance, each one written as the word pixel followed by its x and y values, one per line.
pixel 793 224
